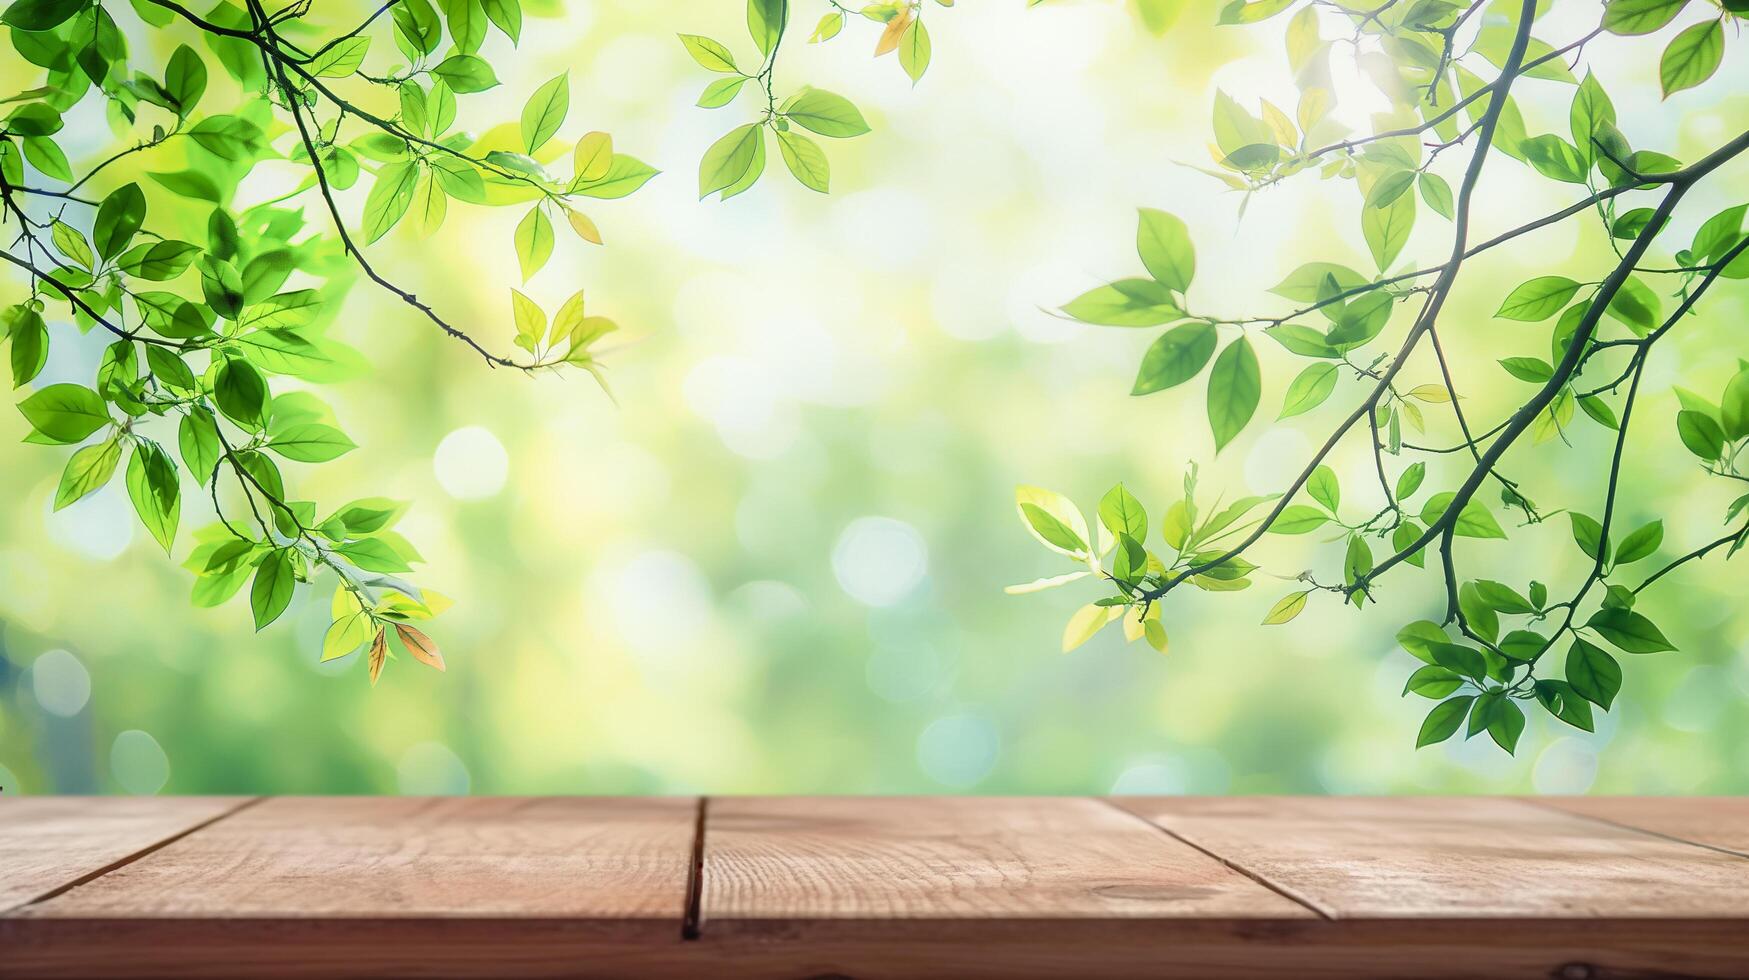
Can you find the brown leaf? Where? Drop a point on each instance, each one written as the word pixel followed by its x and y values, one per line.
pixel 895 29
pixel 379 652
pixel 420 646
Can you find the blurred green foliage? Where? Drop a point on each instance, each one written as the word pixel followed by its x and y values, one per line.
pixel 778 566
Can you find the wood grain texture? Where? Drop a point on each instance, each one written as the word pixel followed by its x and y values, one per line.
pixel 1711 821
pixel 1454 857
pixel 384 886
pixel 898 888
pixel 794 859
pixel 48 842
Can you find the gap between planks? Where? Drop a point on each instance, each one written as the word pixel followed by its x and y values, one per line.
pixel 1542 805
pixel 125 860
pixel 689 922
pixel 1282 890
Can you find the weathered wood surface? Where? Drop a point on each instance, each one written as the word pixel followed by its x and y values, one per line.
pixel 875 887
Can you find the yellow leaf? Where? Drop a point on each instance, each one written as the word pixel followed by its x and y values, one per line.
pixel 594 156
pixel 1049 582
pixel 420 646
pixel 1289 607
pixel 1088 620
pixel 889 40
pixel 584 227
pixel 567 319
pixel 379 651
pixel 1432 394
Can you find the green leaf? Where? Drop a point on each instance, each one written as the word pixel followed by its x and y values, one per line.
pixel 342 59
pixel 721 92
pixel 155 489
pixel 272 590
pixel 1474 521
pixel 466 73
pixel 65 413
pixel 1432 682
pixel 30 347
pixel 1286 608
pixel 1308 390
pixel 118 218
pixel 625 174
pixel 198 438
pixel 1121 512
pixel 1555 158
pixel 40 15
pixel 1420 637
pixel 1692 57
pixel 1163 242
pixel 1640 544
pixel 1386 229
pixel 389 198
pixel 373 555
pixel 765 22
pixel 728 159
pixel 1323 487
pixel 1588 534
pixel 1700 434
pixel 1299 519
pixel 1175 357
pixel 1125 303
pixel 820 111
pixel 1636 305
pixel 1053 520
pixel 241 393
pixel 1640 16
pixel 158 260
pixel 1532 369
pixel 1734 406
pixel 1235 387
pixel 805 160
pixel 1502 597
pixel 545 112
pixel 467 23
pixel 1410 480
pixel 312 442
pixel 1444 720
pixel 534 242
pixel 72 244
pixel 507 15
pixel 227 137
pixel 1565 703
pixel 1593 674
pixel 1538 299
pixel 710 55
pixel 1591 112
pixel 44 154
pixel 1437 193
pixel 88 469
pixel 914 50
pixel 1505 723
pixel 1460 659
pixel 1629 631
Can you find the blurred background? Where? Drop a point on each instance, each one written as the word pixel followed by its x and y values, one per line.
pixel 777 565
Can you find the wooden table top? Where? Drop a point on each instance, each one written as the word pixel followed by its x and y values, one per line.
pixel 875 886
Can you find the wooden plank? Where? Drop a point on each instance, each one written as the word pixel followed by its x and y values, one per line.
pixel 1484 886
pixel 1456 856
pixel 1710 821
pixel 789 858
pixel 50 842
pixel 968 887
pixel 383 886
